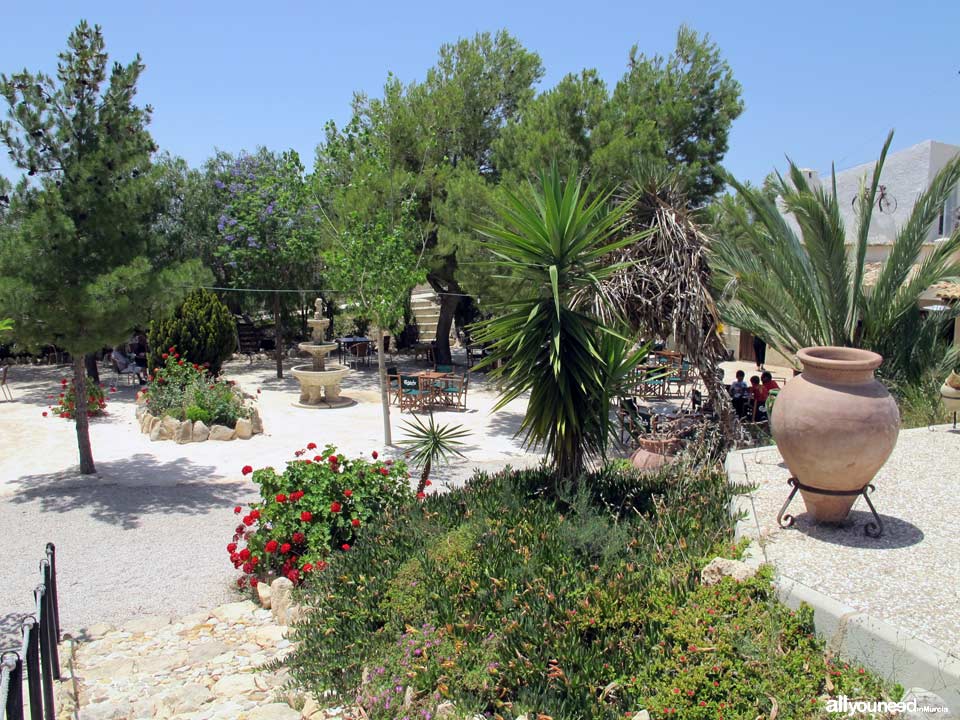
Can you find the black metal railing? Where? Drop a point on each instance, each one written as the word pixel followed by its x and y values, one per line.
pixel 37 662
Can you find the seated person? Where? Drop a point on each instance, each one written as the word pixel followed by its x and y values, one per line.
pixel 766 379
pixel 758 396
pixel 740 394
pixel 125 364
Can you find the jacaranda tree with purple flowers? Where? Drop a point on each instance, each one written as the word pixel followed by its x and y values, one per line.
pixel 268 227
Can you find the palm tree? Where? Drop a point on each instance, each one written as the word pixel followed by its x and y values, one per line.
pixel 797 291
pixel 430 444
pixel 555 240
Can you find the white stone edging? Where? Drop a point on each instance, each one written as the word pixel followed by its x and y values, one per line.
pixel 878 645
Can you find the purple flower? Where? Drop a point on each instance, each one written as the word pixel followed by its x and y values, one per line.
pixel 218 184
pixel 251 242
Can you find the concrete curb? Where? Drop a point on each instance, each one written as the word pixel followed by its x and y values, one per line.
pixel 876 644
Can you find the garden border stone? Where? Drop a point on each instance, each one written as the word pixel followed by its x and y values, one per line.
pixel 182 432
pixel 876 644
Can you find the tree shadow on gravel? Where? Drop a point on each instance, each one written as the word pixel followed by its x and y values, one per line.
pixel 129 490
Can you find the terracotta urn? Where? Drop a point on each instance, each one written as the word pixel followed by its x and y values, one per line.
pixel 836 426
pixel 647 461
pixel 950 392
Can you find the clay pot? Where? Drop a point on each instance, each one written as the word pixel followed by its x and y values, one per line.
pixel 668 445
pixel 836 425
pixel 950 392
pixel 647 461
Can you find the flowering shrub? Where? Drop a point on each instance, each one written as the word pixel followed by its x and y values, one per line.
pixel 186 390
pixel 314 507
pixel 67 399
pixel 510 597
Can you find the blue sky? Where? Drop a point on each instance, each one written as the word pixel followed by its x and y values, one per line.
pixel 822 81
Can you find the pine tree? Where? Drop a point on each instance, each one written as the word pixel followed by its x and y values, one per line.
pixel 80 266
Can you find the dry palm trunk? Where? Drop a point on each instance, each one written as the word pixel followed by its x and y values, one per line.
pixel 664 289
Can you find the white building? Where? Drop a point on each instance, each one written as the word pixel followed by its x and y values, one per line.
pixel 906 174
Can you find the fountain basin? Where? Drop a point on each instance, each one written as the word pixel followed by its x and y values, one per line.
pixel 320 389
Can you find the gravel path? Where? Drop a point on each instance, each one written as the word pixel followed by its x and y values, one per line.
pixel 148 536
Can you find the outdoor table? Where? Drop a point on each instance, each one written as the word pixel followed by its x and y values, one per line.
pixel 344 343
pixel 428 377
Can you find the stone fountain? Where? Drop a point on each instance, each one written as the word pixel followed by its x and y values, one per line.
pixel 320 382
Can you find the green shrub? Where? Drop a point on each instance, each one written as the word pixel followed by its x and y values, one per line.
pixel 196 413
pixel 508 598
pixel 203 329
pixel 179 387
pixel 316 505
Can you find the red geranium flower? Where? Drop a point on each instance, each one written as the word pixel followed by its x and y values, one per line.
pixel 307 567
pixel 245 554
pixel 306 516
pixel 271 546
pixel 232 548
pixel 63 381
pixel 375 454
pixel 427 483
pixel 249 520
pixel 44 414
pixel 238 510
pixel 255 514
pixel 247 568
pixel 239 528
pixel 311 446
pixel 285 548
pixel 355 522
pixel 164 356
pixel 241 582
pixel 180 362
pixel 299 537
pixel 345 547
pixel 254 582
pixel 322 565
pixel 318 458
pixel 348 493
pixel 293 576
pixel 421 495
pixel 335 507
pixel 384 471
pixel 332 458
pixel 246 470
pixel 281 498
pixel 308 462
pixel 172 348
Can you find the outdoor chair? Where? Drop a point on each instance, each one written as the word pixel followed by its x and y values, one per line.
pixel 3 383
pixel 634 419
pixel 453 392
pixel 676 382
pixel 130 372
pixel 443 368
pixel 412 394
pixel 393 383
pixel 475 353
pixel 360 353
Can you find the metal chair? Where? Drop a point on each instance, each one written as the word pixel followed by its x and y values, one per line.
pixel 360 352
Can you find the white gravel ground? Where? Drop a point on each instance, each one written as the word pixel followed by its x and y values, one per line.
pixel 910 576
pixel 148 535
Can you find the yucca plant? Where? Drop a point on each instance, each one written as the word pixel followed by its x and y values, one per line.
pixel 797 291
pixel 429 444
pixel 555 239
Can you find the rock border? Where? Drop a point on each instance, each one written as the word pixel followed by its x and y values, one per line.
pixel 187 431
pixel 876 644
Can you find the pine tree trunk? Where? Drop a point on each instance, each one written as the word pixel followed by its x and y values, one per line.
pixel 80 416
pixel 384 387
pixel 278 334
